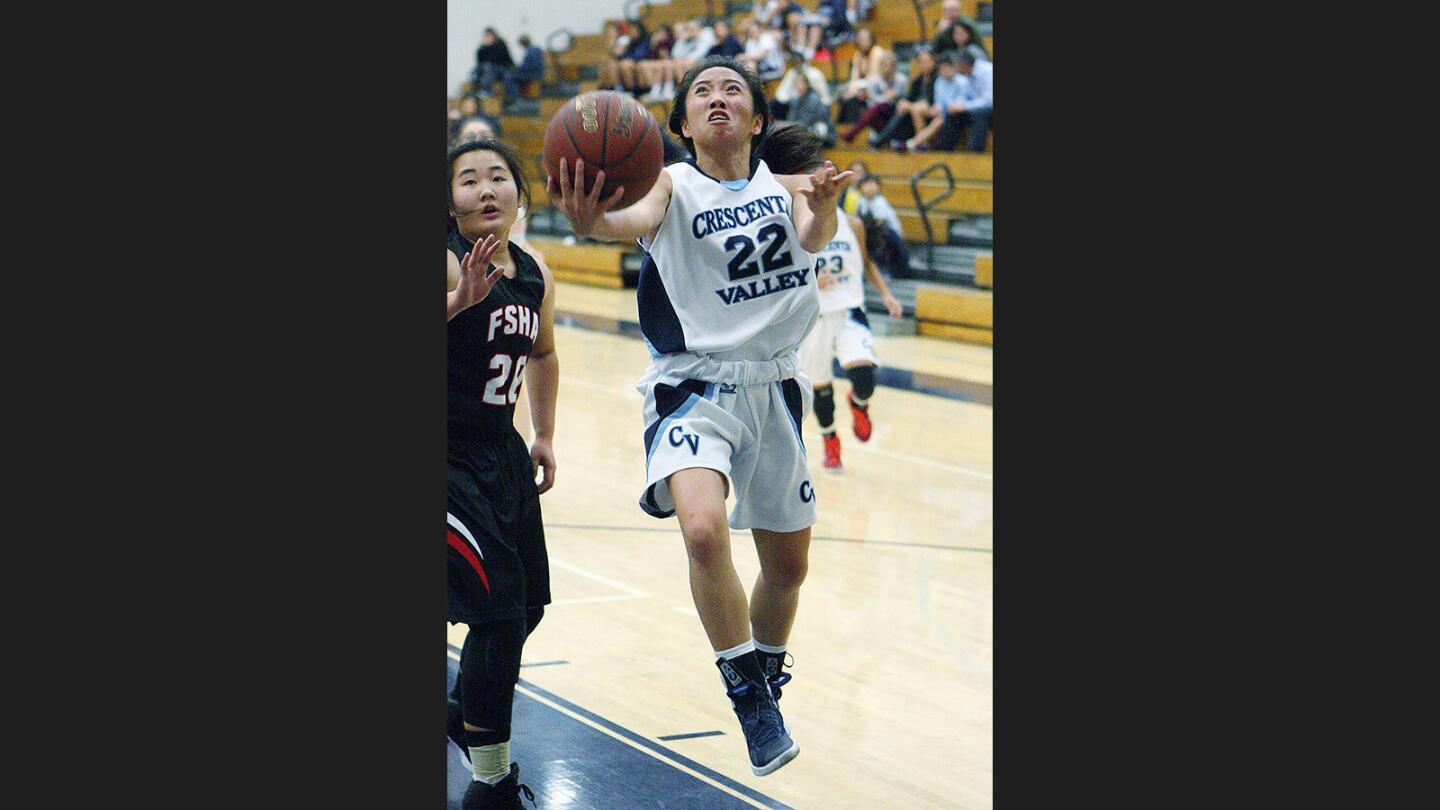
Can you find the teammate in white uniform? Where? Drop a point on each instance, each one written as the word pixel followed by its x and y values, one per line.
pixel 726 297
pixel 843 331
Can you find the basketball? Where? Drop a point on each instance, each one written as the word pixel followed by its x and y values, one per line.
pixel 610 131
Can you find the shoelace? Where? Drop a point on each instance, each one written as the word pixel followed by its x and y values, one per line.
pixel 529 794
pixel 779 681
pixel 782 677
pixel 752 711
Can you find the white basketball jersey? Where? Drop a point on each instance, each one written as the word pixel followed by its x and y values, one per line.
pixel 846 264
pixel 725 275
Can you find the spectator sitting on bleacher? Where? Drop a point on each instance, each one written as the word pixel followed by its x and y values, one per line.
pixel 873 205
pixel 812 32
pixel 616 44
pixel 809 111
pixel 637 52
pixel 652 70
pixel 916 109
pixel 971 107
pixel 492 63
pixel 949 86
pixel 763 54
pixel 954 31
pixel 885 88
pixel 834 28
pixel 531 68
pixel 725 42
pixel 865 64
pixel 771 13
pixel 857 11
pixel 785 93
pixel 691 43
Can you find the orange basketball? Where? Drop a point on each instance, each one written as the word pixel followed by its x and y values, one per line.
pixel 613 132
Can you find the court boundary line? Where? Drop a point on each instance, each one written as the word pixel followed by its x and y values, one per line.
pixel 643 744
pixel 813 537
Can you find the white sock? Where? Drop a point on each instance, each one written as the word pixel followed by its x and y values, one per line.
pixel 766 648
pixel 749 646
pixel 490 763
pixel 858 401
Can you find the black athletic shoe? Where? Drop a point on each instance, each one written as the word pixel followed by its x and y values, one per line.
pixel 503 795
pixel 770 746
pixel 455 729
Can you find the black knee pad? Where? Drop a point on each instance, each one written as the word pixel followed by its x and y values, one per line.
pixel 489 668
pixel 825 406
pixel 862 380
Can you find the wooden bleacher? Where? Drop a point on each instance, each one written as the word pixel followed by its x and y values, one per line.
pixel 956 312
pixel 985 270
pixel 597 265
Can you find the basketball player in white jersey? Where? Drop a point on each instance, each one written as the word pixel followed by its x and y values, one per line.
pixel 843 331
pixel 726 297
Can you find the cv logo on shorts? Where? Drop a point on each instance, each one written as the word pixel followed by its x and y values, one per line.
pixel 807 493
pixel 678 436
pixel 727 388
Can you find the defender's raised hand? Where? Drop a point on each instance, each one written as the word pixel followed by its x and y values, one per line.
pixel 476 277
pixel 582 209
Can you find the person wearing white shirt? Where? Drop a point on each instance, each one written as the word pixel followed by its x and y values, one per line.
pixel 973 109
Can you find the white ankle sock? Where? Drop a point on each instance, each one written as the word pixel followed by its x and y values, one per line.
pixel 766 648
pixel 490 763
pixel 749 646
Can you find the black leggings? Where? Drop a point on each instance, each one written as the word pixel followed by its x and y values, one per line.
pixel 489 668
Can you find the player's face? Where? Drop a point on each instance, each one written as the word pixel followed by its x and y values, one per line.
pixel 484 192
pixel 719 112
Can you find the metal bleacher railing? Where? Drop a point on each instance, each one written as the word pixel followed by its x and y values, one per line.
pixel 924 206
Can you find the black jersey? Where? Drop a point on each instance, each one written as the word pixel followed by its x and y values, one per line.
pixel 489 345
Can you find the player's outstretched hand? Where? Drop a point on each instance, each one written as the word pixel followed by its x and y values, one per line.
pixel 825 187
pixel 477 277
pixel 541 456
pixel 583 209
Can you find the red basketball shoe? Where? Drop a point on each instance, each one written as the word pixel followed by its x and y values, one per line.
pixel 860 417
pixel 832 451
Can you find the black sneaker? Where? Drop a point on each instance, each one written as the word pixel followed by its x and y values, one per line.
pixel 770 746
pixel 455 730
pixel 503 795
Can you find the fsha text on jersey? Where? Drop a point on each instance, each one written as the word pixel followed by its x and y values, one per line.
pixel 516 319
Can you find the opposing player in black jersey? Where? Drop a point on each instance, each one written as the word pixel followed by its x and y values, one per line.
pixel 500 308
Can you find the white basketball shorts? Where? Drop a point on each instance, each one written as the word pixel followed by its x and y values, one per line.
pixel 844 335
pixel 748 433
